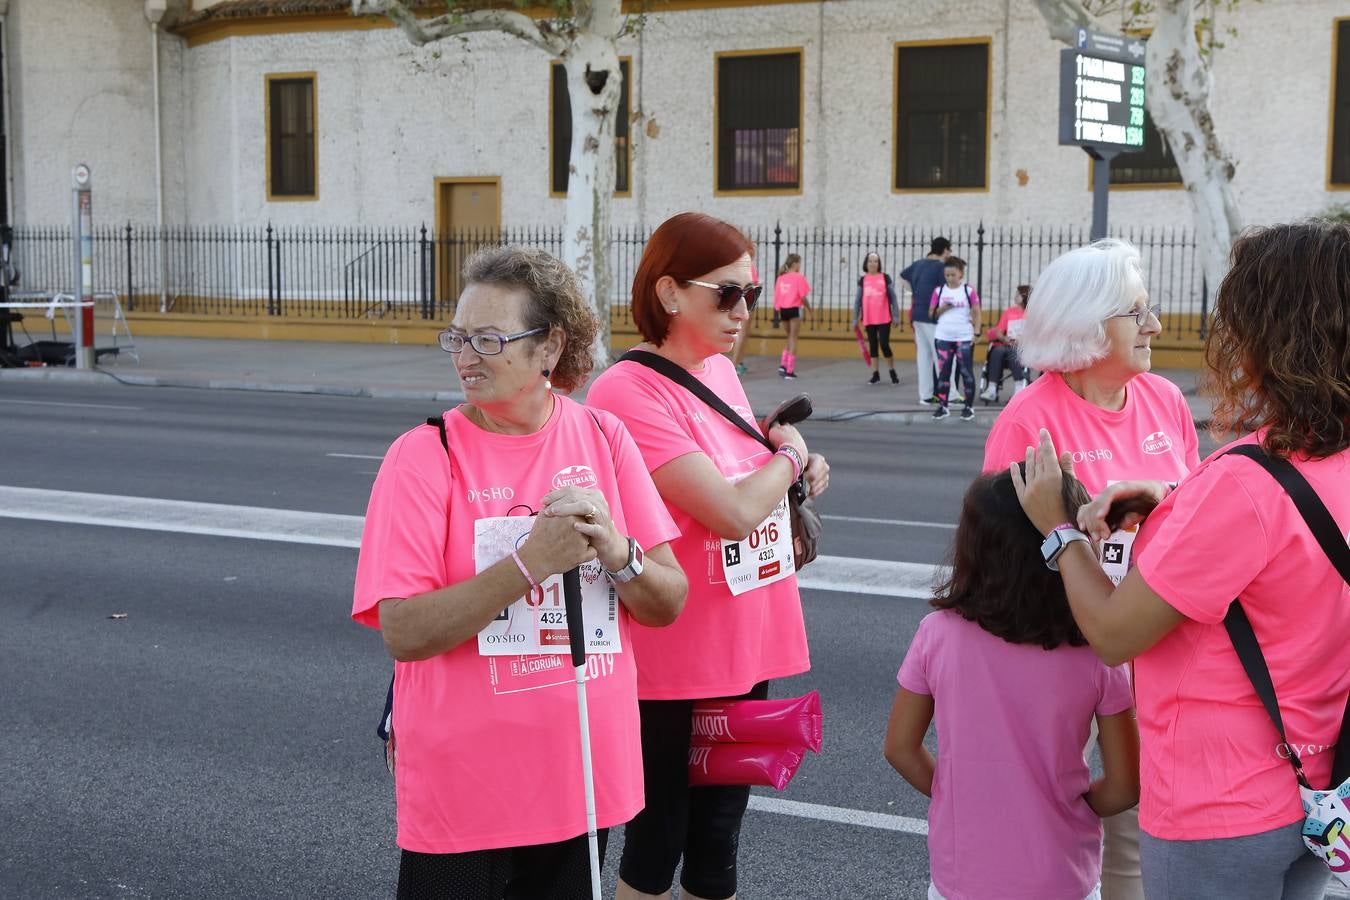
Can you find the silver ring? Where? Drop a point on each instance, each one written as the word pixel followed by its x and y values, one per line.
pixel 590 516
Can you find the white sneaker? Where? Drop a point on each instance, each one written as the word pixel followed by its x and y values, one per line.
pixel 990 394
pixel 1018 385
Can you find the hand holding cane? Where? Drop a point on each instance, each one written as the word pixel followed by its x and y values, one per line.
pixel 576 632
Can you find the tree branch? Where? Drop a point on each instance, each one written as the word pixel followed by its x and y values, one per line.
pixel 426 31
pixel 1065 17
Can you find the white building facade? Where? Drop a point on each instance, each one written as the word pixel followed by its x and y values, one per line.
pixel 388 126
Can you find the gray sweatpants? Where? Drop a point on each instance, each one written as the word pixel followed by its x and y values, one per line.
pixel 1273 865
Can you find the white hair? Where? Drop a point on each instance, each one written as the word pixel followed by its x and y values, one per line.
pixel 1074 295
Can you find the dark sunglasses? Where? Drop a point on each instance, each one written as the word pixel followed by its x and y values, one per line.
pixel 728 295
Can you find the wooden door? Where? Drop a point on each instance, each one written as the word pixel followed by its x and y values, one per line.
pixel 468 216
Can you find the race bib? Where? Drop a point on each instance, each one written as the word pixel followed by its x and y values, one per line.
pixel 537 622
pixel 1115 552
pixel 1015 329
pixel 765 556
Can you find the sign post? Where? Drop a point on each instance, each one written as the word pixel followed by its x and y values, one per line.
pixel 1101 106
pixel 82 230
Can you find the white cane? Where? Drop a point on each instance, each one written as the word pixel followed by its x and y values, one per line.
pixel 576 632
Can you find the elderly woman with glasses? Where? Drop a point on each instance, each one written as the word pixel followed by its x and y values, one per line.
pixel 472 522
pixel 692 295
pixel 1090 331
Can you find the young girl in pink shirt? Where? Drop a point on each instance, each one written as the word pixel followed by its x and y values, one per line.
pixel 790 290
pixel 1014 689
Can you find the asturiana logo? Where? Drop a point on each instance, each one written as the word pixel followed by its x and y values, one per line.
pixel 574 476
pixel 1157 442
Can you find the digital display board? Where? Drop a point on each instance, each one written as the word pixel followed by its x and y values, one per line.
pixel 1101 99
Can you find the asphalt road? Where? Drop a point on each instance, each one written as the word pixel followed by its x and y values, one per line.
pixel 217 740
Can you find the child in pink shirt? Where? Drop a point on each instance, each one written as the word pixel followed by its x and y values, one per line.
pixel 790 289
pixel 1014 689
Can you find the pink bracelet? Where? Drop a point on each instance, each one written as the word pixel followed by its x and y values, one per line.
pixel 524 571
pixel 794 457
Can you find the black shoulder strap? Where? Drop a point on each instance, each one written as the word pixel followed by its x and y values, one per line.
pixel 678 375
pixel 1323 526
pixel 438 422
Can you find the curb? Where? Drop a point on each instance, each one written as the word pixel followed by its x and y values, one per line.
pixel 104 377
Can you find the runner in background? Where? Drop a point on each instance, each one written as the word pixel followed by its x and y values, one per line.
pixel 789 302
pixel 922 276
pixel 876 308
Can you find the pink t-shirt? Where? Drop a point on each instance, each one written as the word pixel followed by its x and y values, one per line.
pixel 1152 436
pixel 876 304
pixel 1011 721
pixel 489 751
pixel 721 645
pixel 789 290
pixel 1211 765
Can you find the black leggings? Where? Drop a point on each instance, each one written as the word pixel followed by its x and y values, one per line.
pixel 560 871
pixel 702 824
pixel 879 334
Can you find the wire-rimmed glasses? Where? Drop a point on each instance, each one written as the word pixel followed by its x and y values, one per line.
pixel 1140 316
pixel 484 343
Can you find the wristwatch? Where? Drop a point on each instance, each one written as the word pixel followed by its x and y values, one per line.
pixel 634 567
pixel 1057 541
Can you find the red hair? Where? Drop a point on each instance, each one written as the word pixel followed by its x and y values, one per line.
pixel 684 246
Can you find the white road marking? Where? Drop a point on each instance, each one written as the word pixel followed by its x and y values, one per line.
pixel 908 523
pixel 840 814
pixel 353 456
pixel 871 577
pixel 58 403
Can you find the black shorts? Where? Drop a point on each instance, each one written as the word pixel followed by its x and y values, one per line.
pixel 701 824
pixel 560 871
pixel 791 312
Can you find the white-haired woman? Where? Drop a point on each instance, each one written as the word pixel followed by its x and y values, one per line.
pixel 1090 331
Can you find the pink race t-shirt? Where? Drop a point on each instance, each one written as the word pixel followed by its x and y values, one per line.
pixel 1211 764
pixel 488 747
pixel 876 303
pixel 1152 436
pixel 721 645
pixel 1011 722
pixel 789 290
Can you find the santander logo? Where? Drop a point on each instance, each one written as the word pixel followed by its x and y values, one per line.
pixel 1157 442
pixel 574 476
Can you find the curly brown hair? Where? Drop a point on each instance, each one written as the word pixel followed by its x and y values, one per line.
pixel 555 301
pixel 1279 346
pixel 999 580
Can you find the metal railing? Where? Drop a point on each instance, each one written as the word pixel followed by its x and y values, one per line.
pixel 414 273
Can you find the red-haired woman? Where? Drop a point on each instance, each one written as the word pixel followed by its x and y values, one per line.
pixel 742 624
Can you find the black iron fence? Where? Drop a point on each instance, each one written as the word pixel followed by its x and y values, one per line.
pixel 414 273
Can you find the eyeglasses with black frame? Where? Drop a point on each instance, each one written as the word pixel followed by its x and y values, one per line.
pixel 728 295
pixel 484 343
pixel 1140 316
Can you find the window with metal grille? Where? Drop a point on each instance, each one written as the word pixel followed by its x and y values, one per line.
pixel 1340 105
pixel 292 160
pixel 561 134
pixel 1152 165
pixel 759 122
pixel 941 116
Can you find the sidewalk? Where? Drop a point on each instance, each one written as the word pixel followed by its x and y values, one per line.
pixel 838 388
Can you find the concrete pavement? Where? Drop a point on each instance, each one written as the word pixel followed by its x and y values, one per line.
pixel 838 388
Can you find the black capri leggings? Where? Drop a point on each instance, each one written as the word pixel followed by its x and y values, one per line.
pixel 880 334
pixel 702 824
